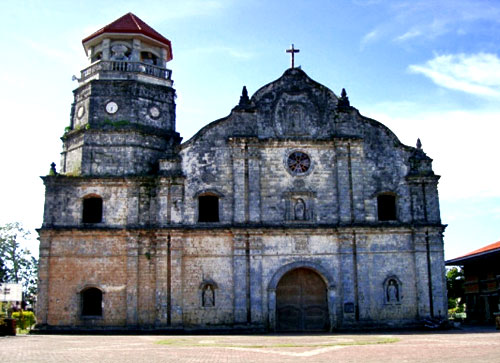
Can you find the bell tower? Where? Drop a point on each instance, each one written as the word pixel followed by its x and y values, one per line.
pixel 123 114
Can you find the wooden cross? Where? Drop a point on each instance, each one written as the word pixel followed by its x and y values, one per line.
pixel 292 50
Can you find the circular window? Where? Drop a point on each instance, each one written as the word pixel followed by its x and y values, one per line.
pixel 298 163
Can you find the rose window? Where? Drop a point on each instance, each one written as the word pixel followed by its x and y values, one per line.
pixel 298 162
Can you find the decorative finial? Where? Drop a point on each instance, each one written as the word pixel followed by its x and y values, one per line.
pixel 343 103
pixel 292 52
pixel 53 169
pixel 419 144
pixel 244 100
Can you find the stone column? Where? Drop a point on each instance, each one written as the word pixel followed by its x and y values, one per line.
pixel 239 184
pixel 135 55
pixel 161 289
pixel 132 204
pixel 432 200
pixel 421 276
pixel 162 62
pixel 332 311
pixel 177 201
pixel 132 279
pixel 176 278
pixel 106 52
pixel 438 274
pixel 240 278
pixel 163 215
pixel 42 304
pixel 347 296
pixel 254 184
pixel 357 180
pixel 271 308
pixel 343 181
pixel 256 298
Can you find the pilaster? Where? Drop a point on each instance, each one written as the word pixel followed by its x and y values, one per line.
pixel 132 279
pixel 176 278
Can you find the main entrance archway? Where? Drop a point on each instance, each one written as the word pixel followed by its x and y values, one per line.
pixel 301 302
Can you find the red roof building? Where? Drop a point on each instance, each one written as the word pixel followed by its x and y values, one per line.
pixel 494 247
pixel 482 282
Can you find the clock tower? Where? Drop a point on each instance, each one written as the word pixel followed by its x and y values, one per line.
pixel 123 114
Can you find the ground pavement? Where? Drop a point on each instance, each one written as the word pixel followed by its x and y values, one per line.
pixel 466 345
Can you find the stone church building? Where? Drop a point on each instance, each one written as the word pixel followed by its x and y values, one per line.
pixel 293 213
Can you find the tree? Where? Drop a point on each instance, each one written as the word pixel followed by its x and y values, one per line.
pixel 455 286
pixel 17 265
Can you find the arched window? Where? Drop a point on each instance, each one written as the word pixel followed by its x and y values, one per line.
pixel 149 58
pixel 208 208
pixel 386 206
pixel 92 210
pixel 91 299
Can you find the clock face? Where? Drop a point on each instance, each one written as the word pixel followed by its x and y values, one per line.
pixel 154 112
pixel 80 112
pixel 111 107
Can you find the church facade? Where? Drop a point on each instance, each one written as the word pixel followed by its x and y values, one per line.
pixel 293 213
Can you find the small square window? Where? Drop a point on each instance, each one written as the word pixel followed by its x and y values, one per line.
pixel 386 204
pixel 92 210
pixel 208 208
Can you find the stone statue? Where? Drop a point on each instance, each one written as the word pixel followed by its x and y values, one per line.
pixel 392 291
pixel 208 296
pixel 300 210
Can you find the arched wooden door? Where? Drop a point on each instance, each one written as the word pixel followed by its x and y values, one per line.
pixel 301 302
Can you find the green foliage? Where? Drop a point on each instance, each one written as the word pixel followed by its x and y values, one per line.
pixel 455 284
pixel 17 265
pixel 116 124
pixel 24 319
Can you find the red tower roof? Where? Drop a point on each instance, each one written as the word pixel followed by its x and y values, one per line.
pixel 131 24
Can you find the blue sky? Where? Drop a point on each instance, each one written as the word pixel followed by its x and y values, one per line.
pixel 427 69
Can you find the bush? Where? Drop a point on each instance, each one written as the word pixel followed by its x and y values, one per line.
pixel 24 319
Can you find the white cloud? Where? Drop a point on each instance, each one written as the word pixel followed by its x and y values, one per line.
pixel 428 19
pixel 477 74
pixel 409 35
pixel 370 37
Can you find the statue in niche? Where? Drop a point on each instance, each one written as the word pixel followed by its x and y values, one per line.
pixel 299 210
pixel 392 291
pixel 208 296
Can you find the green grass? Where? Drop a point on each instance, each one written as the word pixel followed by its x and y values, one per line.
pixel 195 342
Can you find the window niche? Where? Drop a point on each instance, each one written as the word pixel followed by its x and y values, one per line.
pixel 386 207
pixel 91 302
pixel 92 209
pixel 392 290
pixel 207 291
pixel 208 208
pixel 299 206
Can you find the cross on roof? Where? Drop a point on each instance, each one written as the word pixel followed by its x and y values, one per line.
pixel 292 50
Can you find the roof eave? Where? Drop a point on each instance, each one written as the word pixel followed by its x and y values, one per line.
pixel 92 40
pixel 456 261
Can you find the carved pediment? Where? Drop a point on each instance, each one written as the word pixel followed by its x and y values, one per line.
pixel 295 116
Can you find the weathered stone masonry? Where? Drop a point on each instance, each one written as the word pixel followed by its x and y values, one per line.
pixel 295 212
